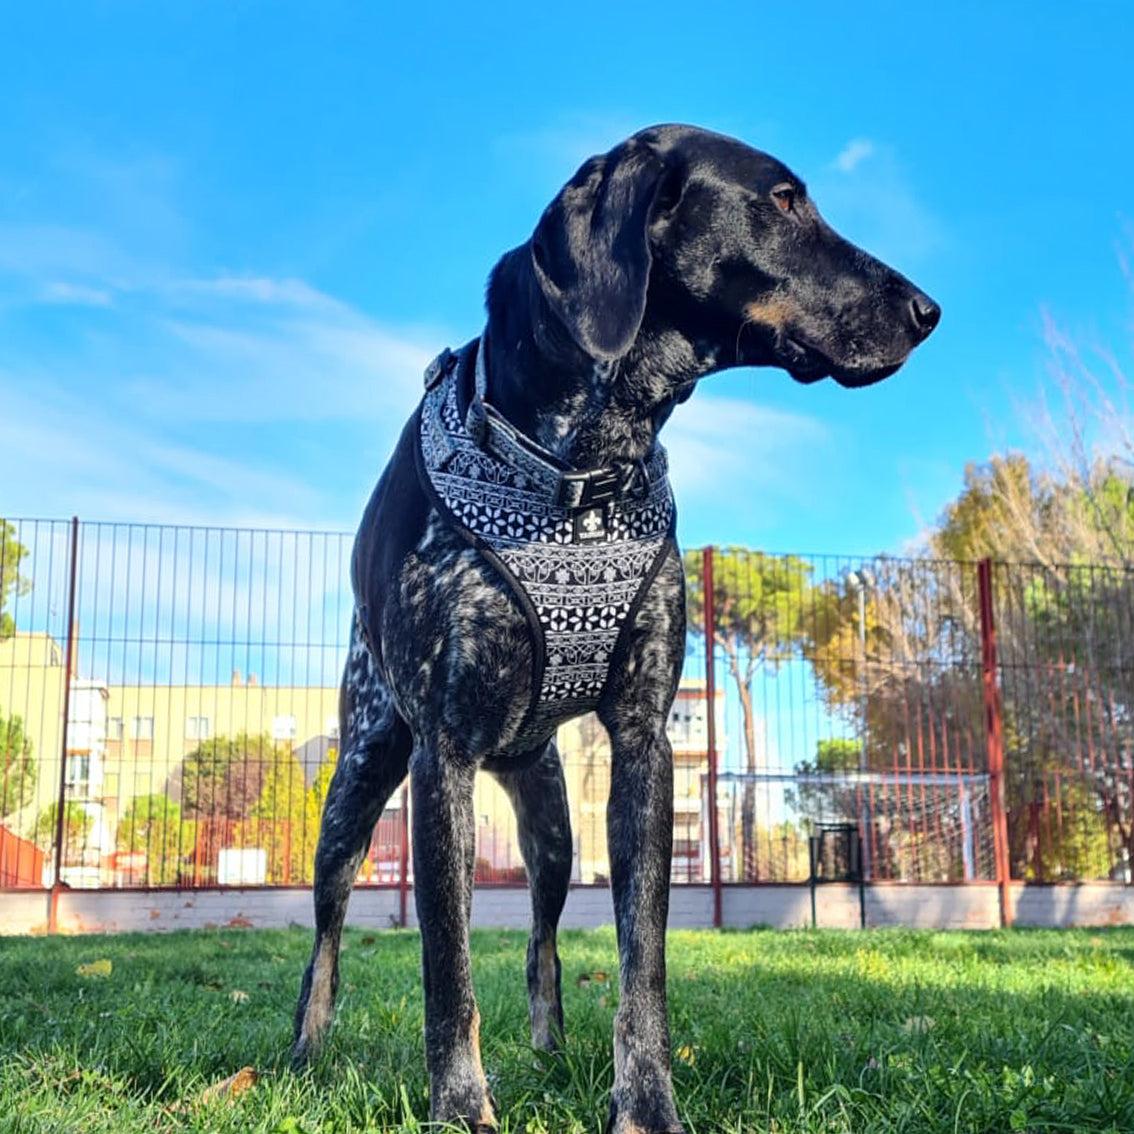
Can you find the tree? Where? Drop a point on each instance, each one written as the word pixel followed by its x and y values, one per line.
pixel 321 785
pixel 76 827
pixel 829 801
pixel 17 770
pixel 1064 621
pixel 896 662
pixel 284 820
pixel 221 779
pixel 12 583
pixel 152 825
pixel 758 604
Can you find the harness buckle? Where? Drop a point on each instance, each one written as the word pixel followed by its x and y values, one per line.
pixel 604 486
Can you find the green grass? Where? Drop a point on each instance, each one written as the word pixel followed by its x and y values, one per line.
pixel 798 1032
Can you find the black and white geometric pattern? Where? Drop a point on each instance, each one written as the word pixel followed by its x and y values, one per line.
pixel 581 568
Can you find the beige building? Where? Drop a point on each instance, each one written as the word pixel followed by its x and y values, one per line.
pixel 585 750
pixel 127 741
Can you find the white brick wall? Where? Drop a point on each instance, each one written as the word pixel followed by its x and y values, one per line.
pixel 931 907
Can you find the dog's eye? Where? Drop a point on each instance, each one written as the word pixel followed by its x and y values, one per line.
pixel 784 196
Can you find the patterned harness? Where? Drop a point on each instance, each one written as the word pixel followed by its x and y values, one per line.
pixel 576 548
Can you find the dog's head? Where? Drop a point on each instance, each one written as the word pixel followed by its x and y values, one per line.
pixel 690 230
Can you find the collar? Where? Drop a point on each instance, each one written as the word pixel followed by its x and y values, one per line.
pixel 569 488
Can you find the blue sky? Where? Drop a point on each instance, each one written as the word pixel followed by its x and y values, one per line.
pixel 231 236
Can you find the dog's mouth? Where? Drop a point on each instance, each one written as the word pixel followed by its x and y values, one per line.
pixel 807 364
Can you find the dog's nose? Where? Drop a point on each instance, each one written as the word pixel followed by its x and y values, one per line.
pixel 925 314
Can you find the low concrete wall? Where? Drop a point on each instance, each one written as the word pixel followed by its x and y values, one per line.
pixel 1089 903
pixel 974 906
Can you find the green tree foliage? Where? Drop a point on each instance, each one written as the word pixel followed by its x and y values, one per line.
pixel 12 583
pixel 222 778
pixel 758 605
pixel 1006 510
pixel 1066 650
pixel 152 825
pixel 17 769
pixel 896 662
pixel 1063 593
pixel 823 800
pixel 76 828
pixel 284 820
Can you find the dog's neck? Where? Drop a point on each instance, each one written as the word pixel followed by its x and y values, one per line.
pixel 586 412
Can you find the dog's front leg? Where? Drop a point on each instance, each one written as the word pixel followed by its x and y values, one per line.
pixel 639 822
pixel 443 863
pixel 640 836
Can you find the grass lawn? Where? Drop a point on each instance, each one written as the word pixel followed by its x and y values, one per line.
pixel 772 1031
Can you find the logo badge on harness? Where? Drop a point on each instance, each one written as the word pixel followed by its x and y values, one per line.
pixel 590 525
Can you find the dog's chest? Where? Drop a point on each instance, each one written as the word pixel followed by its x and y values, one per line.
pixel 578 572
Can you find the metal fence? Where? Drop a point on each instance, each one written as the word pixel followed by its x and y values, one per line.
pixel 168 716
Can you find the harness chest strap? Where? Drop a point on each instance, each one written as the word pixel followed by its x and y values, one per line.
pixel 580 567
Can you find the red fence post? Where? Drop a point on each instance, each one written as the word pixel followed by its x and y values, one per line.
pixel 68 673
pixel 711 730
pixel 994 737
pixel 403 859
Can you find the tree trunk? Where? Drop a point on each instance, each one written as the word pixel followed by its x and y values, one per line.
pixel 750 870
pixel 748 821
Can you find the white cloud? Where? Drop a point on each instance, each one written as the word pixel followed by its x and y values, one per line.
pixel 569 141
pixel 75 295
pixel 126 408
pixel 717 443
pixel 71 455
pixel 35 255
pixel 256 289
pixel 873 204
pixel 856 151
pixel 136 386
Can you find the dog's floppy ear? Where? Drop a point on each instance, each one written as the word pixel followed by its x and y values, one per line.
pixel 590 249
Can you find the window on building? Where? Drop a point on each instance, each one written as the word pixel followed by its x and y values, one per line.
pixel 143 728
pixel 197 728
pixel 283 727
pixel 115 728
pixel 79 772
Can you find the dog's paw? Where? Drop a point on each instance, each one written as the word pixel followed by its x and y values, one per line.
pixel 473 1109
pixel 301 1054
pixel 619 1121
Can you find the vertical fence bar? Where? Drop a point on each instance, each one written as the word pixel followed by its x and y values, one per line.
pixel 994 737
pixel 68 673
pixel 403 859
pixel 711 732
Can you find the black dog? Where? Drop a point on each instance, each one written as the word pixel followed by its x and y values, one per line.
pixel 530 479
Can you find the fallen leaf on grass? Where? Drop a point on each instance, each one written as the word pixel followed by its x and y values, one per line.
pixel 597 977
pixel 686 1055
pixel 918 1024
pixel 244 1080
pixel 100 968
